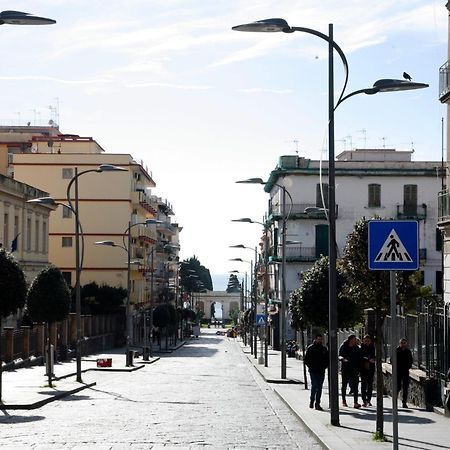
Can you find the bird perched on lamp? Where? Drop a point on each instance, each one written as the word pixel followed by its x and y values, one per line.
pixel 406 76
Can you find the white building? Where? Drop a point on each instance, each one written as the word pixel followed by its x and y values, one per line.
pixel 369 182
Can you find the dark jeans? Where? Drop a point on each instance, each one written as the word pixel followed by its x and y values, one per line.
pixel 350 377
pixel 403 384
pixel 316 385
pixel 367 385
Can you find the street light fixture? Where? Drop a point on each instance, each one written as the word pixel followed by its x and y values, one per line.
pixel 78 230
pixel 23 18
pixel 383 85
pixel 127 249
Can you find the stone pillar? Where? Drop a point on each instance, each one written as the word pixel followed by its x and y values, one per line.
pixel 9 338
pixel 65 332
pixel 54 329
pixel 26 342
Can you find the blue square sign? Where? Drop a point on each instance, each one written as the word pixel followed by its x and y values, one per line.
pixel 393 245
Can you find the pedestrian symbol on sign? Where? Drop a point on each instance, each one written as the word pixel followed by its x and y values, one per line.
pixel 393 249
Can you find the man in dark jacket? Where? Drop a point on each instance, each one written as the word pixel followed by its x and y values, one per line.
pixel 350 357
pixel 404 363
pixel 367 369
pixel 316 359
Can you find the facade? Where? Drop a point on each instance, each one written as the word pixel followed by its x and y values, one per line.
pixel 369 182
pixel 444 199
pixel 108 203
pixel 24 226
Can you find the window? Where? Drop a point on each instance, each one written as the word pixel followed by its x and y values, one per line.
pixel 44 237
pixel 66 241
pixel 438 282
pixel 374 196
pixel 321 240
pixel 36 236
pixel 319 191
pixel 439 240
pixel 410 199
pixel 6 231
pixel 28 235
pixel 16 231
pixel 67 173
pixel 66 212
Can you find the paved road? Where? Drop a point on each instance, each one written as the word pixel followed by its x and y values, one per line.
pixel 204 395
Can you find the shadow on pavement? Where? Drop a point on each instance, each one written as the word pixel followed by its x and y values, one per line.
pixel 402 418
pixel 20 419
pixel 75 397
pixel 198 351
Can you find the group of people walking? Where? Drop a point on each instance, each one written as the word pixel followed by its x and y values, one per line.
pixel 357 364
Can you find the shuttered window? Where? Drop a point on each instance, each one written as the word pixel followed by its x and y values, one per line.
pixel 374 195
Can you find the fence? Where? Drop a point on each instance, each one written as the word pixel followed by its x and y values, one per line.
pixel 98 333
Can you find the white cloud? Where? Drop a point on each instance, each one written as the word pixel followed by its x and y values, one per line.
pixel 57 80
pixel 265 90
pixel 168 85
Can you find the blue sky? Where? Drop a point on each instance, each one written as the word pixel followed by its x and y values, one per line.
pixel 204 106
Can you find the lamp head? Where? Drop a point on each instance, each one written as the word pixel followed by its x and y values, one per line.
pixel 44 201
pixel 110 168
pixel 251 181
pixel 236 259
pixel 107 243
pixel 265 26
pixel 237 246
pixel 391 85
pixel 23 18
pixel 243 220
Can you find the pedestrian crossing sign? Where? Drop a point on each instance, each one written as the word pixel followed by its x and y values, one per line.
pixel 260 319
pixel 393 245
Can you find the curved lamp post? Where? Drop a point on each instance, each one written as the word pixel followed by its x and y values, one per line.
pixel 383 85
pixel 127 249
pixel 78 231
pixel 283 312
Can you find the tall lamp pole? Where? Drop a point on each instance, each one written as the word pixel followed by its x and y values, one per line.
pixel 127 249
pixel 79 256
pixel 384 85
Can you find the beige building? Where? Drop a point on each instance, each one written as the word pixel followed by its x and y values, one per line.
pixel 108 201
pixel 24 226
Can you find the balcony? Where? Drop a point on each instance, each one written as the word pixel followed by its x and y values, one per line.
pixel 412 212
pixel 145 201
pixel 297 253
pixel 443 206
pixel 444 82
pixel 144 233
pixel 166 228
pixel 299 211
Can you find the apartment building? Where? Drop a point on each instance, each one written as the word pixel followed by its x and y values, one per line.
pixel 108 202
pixel 369 182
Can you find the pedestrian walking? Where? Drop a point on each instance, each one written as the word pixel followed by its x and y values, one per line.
pixel 350 357
pixel 404 363
pixel 316 359
pixel 367 370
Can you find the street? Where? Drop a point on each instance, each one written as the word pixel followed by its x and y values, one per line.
pixel 206 394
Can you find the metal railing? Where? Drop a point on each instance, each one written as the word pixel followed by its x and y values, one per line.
pixel 444 80
pixel 300 211
pixel 443 206
pixel 411 212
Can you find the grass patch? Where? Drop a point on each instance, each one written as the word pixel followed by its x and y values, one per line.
pixel 379 437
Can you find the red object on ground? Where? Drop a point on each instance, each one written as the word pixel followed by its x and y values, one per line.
pixel 104 362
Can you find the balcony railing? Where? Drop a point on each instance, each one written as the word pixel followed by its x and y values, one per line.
pixel 297 253
pixel 300 211
pixel 444 82
pixel 412 212
pixel 146 201
pixel 443 206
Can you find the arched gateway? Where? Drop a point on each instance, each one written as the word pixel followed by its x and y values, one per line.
pixel 204 300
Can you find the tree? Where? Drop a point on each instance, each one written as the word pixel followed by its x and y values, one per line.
pixel 13 289
pixel 103 299
pixel 370 289
pixel 48 300
pixel 191 273
pixel 233 284
pixel 309 303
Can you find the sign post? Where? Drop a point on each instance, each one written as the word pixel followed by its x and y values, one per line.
pixel 393 245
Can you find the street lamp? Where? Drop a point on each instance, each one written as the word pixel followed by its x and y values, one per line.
pixel 283 312
pixel 383 85
pixel 78 230
pixel 127 249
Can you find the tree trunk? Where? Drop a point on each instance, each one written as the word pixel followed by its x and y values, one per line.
pixel 49 358
pixel 379 371
pixel 302 331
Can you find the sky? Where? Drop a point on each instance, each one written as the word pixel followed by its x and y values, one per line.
pixel 203 106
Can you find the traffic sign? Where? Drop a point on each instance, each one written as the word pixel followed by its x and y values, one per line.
pixel 393 245
pixel 260 319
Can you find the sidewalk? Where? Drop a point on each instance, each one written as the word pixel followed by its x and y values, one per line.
pixel 357 425
pixel 27 388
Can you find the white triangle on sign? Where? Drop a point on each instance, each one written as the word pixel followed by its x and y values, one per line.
pixel 261 321
pixel 393 250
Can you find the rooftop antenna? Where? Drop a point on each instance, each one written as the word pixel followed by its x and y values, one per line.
pixel 296 142
pixel 364 138
pixel 383 139
pixel 350 140
pixel 344 141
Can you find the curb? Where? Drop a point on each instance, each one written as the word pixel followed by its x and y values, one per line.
pixel 41 403
pixel 106 369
